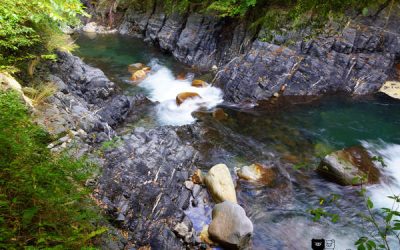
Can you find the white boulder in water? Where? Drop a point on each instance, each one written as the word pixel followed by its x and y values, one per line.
pixel 220 184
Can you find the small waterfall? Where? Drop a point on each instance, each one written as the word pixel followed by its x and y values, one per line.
pixel 163 87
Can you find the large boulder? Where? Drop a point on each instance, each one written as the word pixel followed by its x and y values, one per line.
pixel 230 227
pixel 351 166
pixel 220 185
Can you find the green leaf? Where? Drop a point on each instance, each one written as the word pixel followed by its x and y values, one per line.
pixel 369 203
pixel 365 11
pixel 28 215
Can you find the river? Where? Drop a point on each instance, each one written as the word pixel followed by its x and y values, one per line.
pixel 291 137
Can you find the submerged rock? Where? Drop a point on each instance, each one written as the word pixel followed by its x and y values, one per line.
pixel 230 226
pixel 182 97
pixel 220 185
pixel 391 88
pixel 132 68
pixel 199 84
pixel 219 114
pixel 349 167
pixel 259 173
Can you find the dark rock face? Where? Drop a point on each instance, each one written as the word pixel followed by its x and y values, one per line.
pixel 91 96
pixel 194 39
pixel 87 82
pixel 357 61
pixel 142 186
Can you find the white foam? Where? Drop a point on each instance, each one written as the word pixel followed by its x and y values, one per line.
pixel 163 87
pixel 390 181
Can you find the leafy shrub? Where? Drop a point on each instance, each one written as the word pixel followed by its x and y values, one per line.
pixel 42 199
pixel 27 26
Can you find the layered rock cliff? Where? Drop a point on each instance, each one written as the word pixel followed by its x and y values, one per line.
pixel 357 60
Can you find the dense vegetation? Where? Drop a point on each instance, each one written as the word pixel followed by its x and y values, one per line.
pixel 273 16
pixel 281 16
pixel 42 201
pixel 30 29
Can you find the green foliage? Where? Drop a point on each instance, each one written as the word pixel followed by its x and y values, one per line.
pixel 27 27
pixel 279 17
pixel 386 224
pixel 42 200
pixel 320 212
pixel 113 143
pixel 232 7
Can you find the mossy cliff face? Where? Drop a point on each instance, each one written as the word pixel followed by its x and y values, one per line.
pixel 356 60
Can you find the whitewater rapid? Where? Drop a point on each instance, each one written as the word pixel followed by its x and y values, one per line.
pixel 163 87
pixel 390 180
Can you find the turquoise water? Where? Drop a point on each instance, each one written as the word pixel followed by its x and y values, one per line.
pixel 285 136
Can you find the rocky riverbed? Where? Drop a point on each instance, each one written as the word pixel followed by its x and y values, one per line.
pixel 148 185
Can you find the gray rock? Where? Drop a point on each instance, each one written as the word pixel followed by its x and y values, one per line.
pixel 350 166
pixel 230 226
pixel 87 82
pixel 148 170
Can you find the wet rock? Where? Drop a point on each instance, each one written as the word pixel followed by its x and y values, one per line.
pixel 205 236
pixel 132 68
pixel 93 27
pixel 182 230
pixel 219 114
pixel 230 226
pixel 197 177
pixel 349 166
pixel 391 88
pixel 139 75
pixel 259 173
pixel 220 185
pixel 189 185
pixel 90 27
pixel 182 97
pixel 116 111
pixel 147 171
pixel 199 84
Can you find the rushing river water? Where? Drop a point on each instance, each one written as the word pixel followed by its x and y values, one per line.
pixel 291 137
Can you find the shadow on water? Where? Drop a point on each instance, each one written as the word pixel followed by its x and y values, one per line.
pixel 290 138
